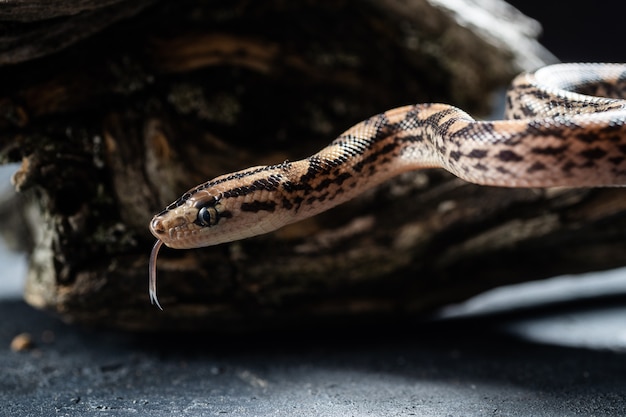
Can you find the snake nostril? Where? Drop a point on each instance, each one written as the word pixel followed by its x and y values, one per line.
pixel 157 226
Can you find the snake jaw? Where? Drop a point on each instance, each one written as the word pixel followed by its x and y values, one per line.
pixel 156 226
pixel 177 227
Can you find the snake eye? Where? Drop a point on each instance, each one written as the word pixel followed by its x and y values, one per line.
pixel 208 216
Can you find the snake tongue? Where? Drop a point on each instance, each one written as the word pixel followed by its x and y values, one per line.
pixel 152 283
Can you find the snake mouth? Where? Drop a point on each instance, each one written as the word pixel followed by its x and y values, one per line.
pixel 157 226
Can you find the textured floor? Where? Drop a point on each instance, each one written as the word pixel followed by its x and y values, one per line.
pixel 471 366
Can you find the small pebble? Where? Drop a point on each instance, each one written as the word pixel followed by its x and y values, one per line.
pixel 22 342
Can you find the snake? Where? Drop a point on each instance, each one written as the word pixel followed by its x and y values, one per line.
pixel 564 126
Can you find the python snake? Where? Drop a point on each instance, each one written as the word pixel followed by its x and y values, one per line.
pixel 565 126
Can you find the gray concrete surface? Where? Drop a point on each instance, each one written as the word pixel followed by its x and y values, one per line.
pixel 472 366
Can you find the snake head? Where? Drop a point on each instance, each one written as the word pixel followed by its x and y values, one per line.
pixel 182 223
pixel 225 209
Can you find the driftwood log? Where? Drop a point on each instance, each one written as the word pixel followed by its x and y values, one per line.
pixel 112 124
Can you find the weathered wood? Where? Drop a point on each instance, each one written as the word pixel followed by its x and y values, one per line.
pixel 113 128
pixel 31 29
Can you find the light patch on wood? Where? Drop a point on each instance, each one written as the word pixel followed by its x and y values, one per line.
pixel 505 235
pixel 330 238
pixel 410 235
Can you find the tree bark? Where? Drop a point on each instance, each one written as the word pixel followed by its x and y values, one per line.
pixel 111 129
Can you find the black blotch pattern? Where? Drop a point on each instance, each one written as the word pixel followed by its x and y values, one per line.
pixel 256 206
pixel 509 156
pixel 549 150
pixel 537 166
pixel 455 155
pixel 594 153
pixel 478 153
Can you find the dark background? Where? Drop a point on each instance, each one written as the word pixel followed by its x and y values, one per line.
pixel 580 31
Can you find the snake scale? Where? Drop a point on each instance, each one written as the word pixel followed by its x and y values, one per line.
pixel 565 125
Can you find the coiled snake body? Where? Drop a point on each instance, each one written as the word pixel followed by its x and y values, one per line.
pixel 565 126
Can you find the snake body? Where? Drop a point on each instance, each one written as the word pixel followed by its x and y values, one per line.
pixel 565 125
